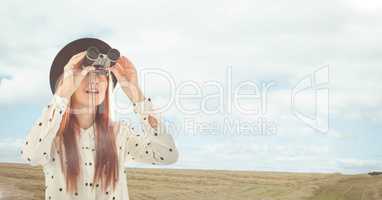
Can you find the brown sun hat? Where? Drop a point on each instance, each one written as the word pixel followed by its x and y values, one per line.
pixel 69 50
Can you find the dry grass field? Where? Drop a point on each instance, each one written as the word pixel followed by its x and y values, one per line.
pixel 23 182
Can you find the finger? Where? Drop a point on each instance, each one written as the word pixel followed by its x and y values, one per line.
pixel 119 61
pixel 126 60
pixel 115 71
pixel 68 67
pixel 76 59
pixel 116 67
pixel 80 74
pixel 68 72
pixel 127 63
pixel 112 69
pixel 86 70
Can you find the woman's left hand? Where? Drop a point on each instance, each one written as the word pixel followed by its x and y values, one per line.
pixel 126 74
pixel 127 77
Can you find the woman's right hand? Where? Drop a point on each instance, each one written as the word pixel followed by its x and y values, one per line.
pixel 73 75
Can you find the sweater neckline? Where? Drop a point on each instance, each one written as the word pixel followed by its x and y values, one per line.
pixel 88 132
pixel 86 129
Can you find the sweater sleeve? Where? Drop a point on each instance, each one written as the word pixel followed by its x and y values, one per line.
pixel 148 145
pixel 36 149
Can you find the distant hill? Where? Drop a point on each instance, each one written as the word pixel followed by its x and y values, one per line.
pixel 375 173
pixel 23 182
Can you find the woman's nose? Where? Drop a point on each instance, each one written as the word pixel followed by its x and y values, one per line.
pixel 93 82
pixel 93 78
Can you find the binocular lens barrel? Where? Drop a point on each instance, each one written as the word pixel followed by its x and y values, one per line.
pixel 113 55
pixel 91 56
pixel 92 53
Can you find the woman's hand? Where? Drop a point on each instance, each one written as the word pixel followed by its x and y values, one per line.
pixel 73 75
pixel 127 77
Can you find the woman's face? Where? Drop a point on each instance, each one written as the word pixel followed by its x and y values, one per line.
pixel 91 91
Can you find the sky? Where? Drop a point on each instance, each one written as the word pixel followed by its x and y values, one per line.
pixel 311 71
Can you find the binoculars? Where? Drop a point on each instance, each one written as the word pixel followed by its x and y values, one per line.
pixel 100 61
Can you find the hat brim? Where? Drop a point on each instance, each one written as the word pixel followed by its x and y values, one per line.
pixel 69 50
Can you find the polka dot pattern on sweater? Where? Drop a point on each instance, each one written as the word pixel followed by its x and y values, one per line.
pixel 150 145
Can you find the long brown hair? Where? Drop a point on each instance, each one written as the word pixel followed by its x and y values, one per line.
pixel 106 160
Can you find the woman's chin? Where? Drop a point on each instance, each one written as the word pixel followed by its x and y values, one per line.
pixel 93 98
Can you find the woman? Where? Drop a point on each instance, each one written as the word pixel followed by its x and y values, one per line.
pixel 81 149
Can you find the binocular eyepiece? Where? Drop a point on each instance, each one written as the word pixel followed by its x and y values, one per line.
pixel 100 61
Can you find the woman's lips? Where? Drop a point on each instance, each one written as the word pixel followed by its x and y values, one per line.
pixel 92 91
